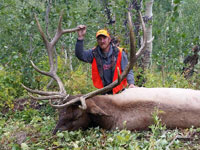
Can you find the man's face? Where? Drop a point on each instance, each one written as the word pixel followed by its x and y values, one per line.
pixel 103 42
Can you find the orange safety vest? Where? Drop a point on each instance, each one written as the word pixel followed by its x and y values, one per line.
pixel 97 82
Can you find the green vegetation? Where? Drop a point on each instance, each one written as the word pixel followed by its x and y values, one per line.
pixel 28 125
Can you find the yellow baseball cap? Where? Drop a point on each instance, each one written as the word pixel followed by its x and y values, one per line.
pixel 102 32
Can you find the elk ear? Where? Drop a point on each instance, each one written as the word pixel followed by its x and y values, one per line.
pixel 96 110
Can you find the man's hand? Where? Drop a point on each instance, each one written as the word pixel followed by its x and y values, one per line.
pixel 132 86
pixel 81 32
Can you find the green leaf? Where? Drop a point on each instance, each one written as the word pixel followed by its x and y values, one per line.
pixel 177 1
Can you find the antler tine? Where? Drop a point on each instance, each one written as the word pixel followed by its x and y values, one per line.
pixel 70 30
pixel 60 21
pixel 132 48
pixel 82 99
pixel 144 44
pixel 40 92
pixel 52 74
pixel 46 97
pixel 59 31
pixel 48 45
pixel 116 82
pixel 41 32
pixel 40 71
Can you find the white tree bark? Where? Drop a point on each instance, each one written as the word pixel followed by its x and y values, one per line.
pixel 148 21
pixel 70 56
pixel 66 55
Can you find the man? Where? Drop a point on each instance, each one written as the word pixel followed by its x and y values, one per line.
pixel 105 58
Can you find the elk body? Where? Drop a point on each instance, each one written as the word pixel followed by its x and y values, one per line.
pixel 133 108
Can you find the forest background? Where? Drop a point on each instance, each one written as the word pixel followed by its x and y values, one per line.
pixel 27 125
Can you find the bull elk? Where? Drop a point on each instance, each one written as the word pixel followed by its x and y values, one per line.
pixel 180 107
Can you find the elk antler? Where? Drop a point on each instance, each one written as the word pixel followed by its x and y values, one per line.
pixel 52 73
pixel 133 57
pixel 62 95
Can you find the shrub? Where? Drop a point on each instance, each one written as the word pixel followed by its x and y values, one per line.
pixel 10 87
pixel 171 79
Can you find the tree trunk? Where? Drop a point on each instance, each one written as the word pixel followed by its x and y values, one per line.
pixel 146 61
pixel 70 56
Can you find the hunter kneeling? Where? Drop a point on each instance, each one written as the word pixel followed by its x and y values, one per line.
pixel 105 59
